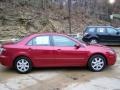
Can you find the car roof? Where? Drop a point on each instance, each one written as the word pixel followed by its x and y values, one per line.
pixel 35 34
pixel 118 28
pixel 100 26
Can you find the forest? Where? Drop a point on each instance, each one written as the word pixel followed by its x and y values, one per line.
pixel 22 17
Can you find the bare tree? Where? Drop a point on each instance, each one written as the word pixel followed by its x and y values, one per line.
pixel 69 19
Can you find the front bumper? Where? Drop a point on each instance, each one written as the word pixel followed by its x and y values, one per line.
pixel 111 59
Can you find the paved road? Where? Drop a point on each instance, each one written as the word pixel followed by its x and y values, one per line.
pixel 62 78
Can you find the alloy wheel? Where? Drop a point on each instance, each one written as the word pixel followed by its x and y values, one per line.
pixel 97 63
pixel 23 65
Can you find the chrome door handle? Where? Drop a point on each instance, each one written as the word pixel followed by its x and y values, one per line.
pixel 58 50
pixel 29 49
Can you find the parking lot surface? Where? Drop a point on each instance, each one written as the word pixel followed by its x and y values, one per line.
pixel 62 78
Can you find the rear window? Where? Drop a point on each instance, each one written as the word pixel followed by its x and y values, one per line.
pixel 40 40
pixel 91 30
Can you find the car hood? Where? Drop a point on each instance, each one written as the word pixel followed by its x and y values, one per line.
pixel 98 47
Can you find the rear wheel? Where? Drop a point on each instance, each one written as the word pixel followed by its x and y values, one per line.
pixel 97 63
pixel 23 65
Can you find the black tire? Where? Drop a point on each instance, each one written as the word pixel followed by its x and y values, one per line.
pixel 20 66
pixel 93 63
pixel 93 41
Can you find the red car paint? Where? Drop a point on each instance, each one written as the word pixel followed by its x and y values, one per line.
pixel 54 56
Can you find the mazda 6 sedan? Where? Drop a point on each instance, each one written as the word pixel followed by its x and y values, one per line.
pixel 54 50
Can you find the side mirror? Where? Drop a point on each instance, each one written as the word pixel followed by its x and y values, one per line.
pixel 118 33
pixel 77 46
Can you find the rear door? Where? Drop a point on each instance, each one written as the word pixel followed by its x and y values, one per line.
pixel 113 35
pixel 102 34
pixel 41 51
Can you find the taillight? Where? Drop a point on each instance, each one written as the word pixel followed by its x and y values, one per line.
pixel 85 33
pixel 2 50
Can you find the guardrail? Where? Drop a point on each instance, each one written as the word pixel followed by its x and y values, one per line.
pixel 7 40
pixel 77 36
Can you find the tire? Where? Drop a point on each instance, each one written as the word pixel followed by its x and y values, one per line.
pixel 23 65
pixel 93 41
pixel 97 63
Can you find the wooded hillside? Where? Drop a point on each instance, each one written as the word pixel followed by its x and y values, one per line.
pixel 22 17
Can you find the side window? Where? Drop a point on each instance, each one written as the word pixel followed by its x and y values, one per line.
pixel 111 31
pixel 91 30
pixel 62 41
pixel 40 40
pixel 101 30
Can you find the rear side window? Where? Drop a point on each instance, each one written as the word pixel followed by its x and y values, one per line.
pixel 101 30
pixel 40 40
pixel 91 30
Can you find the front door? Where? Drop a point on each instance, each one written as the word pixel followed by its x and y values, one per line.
pixel 102 34
pixel 114 37
pixel 66 54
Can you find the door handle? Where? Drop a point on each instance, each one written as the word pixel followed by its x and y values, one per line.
pixel 58 50
pixel 29 49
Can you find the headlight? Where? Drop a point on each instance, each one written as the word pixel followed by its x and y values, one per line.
pixel 111 52
pixel 85 34
pixel 1 50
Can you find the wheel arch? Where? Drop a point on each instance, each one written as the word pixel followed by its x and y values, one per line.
pixel 97 38
pixel 98 54
pixel 13 63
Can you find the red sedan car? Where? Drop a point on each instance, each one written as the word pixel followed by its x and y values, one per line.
pixel 54 50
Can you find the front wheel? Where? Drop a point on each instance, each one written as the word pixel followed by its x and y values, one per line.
pixel 23 65
pixel 97 63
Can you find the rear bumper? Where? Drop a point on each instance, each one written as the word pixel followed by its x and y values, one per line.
pixel 4 60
